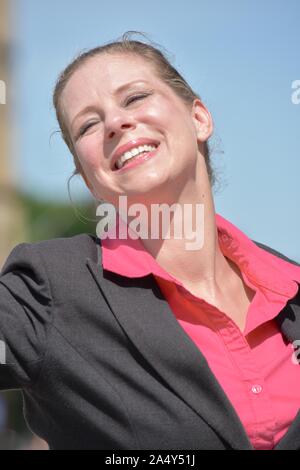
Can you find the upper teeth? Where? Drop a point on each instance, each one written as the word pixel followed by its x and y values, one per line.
pixel 132 153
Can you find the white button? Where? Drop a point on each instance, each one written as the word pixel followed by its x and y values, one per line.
pixel 256 388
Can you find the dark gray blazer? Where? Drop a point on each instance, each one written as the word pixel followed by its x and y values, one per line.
pixel 102 361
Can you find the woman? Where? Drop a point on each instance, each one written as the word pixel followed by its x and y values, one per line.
pixel 141 343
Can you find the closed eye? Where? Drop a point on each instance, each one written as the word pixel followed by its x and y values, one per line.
pixel 133 98
pixel 85 128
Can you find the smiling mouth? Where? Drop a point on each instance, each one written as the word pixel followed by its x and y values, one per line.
pixel 135 153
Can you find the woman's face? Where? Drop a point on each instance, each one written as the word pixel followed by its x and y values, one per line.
pixel 113 101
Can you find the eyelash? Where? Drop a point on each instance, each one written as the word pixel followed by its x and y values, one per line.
pixel 127 102
pixel 85 128
pixel 136 97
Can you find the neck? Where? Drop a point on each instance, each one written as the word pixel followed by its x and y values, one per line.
pixel 204 269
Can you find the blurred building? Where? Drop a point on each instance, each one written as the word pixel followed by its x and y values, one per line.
pixel 12 220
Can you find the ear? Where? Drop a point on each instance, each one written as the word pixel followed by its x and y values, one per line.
pixel 202 120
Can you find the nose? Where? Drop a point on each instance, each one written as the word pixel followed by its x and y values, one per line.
pixel 117 122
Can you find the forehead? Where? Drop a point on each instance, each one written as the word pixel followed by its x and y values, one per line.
pixel 103 75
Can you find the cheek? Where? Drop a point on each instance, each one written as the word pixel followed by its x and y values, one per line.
pixel 172 117
pixel 156 110
pixel 88 152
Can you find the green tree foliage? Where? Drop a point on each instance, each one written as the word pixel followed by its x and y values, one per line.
pixel 48 219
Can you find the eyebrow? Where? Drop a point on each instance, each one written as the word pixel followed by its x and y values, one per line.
pixel 118 91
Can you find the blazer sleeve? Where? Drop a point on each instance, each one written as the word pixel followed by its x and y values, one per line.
pixel 25 306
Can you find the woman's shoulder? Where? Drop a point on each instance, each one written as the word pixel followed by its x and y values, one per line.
pixel 84 244
pixel 55 252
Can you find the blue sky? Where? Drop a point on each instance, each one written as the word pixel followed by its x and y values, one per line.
pixel 241 56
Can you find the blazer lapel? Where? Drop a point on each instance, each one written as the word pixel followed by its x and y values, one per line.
pixel 289 318
pixel 143 312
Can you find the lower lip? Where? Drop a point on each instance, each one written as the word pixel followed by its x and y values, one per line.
pixel 137 161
